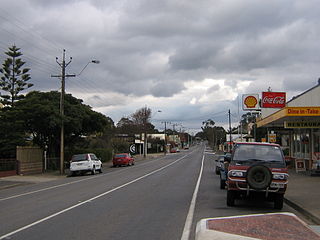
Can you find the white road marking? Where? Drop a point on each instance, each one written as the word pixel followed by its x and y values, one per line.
pixel 189 220
pixel 64 184
pixel 48 188
pixel 89 200
pixel 211 153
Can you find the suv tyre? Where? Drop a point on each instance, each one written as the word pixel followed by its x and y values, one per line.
pixel 259 177
pixel 278 201
pixel 231 196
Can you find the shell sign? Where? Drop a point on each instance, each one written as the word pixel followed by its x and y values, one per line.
pixel 250 101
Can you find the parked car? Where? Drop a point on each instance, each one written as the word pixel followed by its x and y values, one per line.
pixel 83 163
pixel 173 150
pixel 257 169
pixel 219 162
pixel 122 159
pixel 224 170
pixel 224 173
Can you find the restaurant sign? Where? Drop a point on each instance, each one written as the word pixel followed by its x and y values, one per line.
pixel 303 111
pixel 273 100
pixel 302 124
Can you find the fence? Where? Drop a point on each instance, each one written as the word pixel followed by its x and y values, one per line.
pixel 8 167
pixel 30 159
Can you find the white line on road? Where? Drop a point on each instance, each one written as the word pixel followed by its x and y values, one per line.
pixel 91 199
pixel 48 188
pixel 189 220
pixel 64 184
pixel 211 153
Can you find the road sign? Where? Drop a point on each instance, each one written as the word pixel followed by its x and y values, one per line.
pixel 272 137
pixel 132 148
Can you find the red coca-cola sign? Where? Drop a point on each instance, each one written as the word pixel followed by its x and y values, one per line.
pixel 273 100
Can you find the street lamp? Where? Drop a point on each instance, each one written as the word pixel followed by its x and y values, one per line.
pixel 92 61
pixel 63 76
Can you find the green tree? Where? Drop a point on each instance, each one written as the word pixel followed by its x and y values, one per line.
pixel 11 132
pixel 39 115
pixel 127 126
pixel 214 134
pixel 14 78
pixel 207 128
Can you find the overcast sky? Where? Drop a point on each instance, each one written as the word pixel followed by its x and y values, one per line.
pixel 190 59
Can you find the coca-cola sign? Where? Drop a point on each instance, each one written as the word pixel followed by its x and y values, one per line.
pixel 273 100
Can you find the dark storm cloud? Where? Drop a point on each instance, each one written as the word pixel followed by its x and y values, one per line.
pixel 153 48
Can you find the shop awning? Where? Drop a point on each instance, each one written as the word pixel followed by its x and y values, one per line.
pixel 291 114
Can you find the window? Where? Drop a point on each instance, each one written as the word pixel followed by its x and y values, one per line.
pixel 79 157
pixel 257 152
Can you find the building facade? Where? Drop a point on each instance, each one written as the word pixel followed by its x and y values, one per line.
pixel 297 126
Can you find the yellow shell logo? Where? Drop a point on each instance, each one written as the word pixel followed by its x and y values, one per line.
pixel 250 102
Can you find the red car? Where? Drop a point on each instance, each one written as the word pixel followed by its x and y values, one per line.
pixel 121 159
pixel 173 150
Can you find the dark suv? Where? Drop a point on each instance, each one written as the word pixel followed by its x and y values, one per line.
pixel 257 170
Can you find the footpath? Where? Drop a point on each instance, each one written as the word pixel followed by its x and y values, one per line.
pixel 303 194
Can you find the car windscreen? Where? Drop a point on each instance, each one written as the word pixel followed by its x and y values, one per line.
pixel 79 157
pixel 244 152
pixel 120 156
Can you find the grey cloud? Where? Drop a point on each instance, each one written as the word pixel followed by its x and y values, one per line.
pixel 166 89
pixel 213 89
pixel 153 47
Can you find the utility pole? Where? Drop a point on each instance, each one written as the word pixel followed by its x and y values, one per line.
pixel 165 136
pixel 229 113
pixel 63 76
pixel 145 147
pixel 173 126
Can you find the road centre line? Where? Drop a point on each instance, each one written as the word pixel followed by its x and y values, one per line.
pixel 62 185
pixel 91 199
pixel 48 188
pixel 189 219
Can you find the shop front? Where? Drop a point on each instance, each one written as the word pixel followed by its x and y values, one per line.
pixel 298 129
pixel 294 124
pixel 306 145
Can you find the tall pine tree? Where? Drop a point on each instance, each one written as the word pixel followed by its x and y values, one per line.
pixel 14 78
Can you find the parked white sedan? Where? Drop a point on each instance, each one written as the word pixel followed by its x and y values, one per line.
pixel 83 163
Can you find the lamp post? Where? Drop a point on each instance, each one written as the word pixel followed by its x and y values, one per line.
pixel 92 61
pixel 63 76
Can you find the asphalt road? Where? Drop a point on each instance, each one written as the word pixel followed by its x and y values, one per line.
pixel 162 198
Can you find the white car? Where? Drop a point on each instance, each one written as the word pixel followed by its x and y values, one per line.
pixel 87 162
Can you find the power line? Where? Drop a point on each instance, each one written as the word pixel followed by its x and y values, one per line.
pixel 15 21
